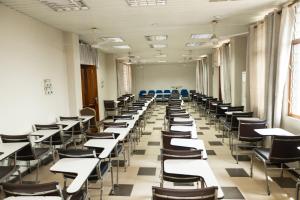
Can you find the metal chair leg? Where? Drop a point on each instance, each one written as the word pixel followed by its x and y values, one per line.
pixel 267 180
pixel 251 165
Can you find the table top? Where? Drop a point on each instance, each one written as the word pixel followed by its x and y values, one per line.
pixel 273 132
pixel 69 124
pixel 194 167
pixel 83 167
pixel 6 149
pixel 192 143
pixel 231 112
pixel 179 119
pixel 44 134
pixel 33 198
pixel 247 118
pixel 122 131
pixel 108 146
pixel 224 107
pixel 86 118
pixel 192 129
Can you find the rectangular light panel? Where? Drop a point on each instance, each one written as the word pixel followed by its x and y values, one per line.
pixel 112 39
pixel 121 47
pixel 65 5
pixel 136 3
pixel 158 46
pixel 201 36
pixel 156 37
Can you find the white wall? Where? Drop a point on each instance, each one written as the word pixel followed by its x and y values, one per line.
pixel 164 76
pixel 30 52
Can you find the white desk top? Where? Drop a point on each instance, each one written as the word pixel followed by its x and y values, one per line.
pixel 69 124
pixel 231 112
pixel 179 119
pixel 224 107
pixel 192 129
pixel 273 132
pixel 83 167
pixel 122 131
pixel 108 146
pixel 86 118
pixel 247 119
pixel 44 134
pixel 33 198
pixel 192 143
pixel 6 149
pixel 214 104
pixel 194 167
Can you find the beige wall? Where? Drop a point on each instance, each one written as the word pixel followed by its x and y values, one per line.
pixel 30 52
pixel 164 76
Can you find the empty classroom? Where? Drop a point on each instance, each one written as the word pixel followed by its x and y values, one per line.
pixel 149 99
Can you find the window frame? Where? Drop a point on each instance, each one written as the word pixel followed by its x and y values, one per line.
pixel 290 113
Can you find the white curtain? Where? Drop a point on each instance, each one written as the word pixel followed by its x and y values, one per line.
pixel 225 73
pixel 124 76
pixel 88 55
pixel 198 77
pixel 284 49
pixel 205 75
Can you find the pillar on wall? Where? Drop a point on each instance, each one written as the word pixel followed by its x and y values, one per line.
pixel 73 71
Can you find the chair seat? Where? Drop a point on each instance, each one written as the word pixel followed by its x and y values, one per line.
pixel 40 151
pixel 263 152
pixel 5 171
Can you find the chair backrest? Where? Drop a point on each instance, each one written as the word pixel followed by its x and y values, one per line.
pixel 184 93
pixel 192 91
pixel 109 104
pixel 125 117
pixel 45 126
pixel 87 111
pixel 76 153
pixel 236 108
pixel 167 91
pixel 26 153
pixel 246 130
pixel 175 92
pixel 234 116
pixel 179 154
pixel 159 91
pixel 284 149
pixel 142 92
pixel 101 135
pixel 181 115
pixel 44 189
pixel 115 124
pixel 151 92
pixel 208 193
pixel 166 141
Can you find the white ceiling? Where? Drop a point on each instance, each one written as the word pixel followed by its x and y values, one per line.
pixel 178 19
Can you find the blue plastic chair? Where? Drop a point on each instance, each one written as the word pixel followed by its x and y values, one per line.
pixel 167 91
pixel 159 91
pixel 142 93
pixel 184 93
pixel 152 92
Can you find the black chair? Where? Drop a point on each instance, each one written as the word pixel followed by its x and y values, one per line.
pixel 77 132
pixel 28 153
pixel 166 141
pixel 114 125
pixel 97 173
pixel 46 189
pixel 284 149
pixel 247 136
pixel 209 193
pixel 179 154
pixel 93 126
pixel 110 106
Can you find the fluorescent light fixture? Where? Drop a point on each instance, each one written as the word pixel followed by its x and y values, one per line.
pixel 201 36
pixel 203 56
pixel 121 46
pixel 193 44
pixel 65 5
pixel 162 61
pixel 112 39
pixel 161 56
pixel 158 46
pixel 156 37
pixel 136 3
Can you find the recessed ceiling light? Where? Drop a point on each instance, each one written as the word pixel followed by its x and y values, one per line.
pixel 158 46
pixel 121 46
pixel 112 39
pixel 193 44
pixel 156 37
pixel 136 3
pixel 65 5
pixel 201 36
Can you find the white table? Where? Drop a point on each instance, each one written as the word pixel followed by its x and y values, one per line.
pixel 108 146
pixel 224 107
pixel 44 134
pixel 179 119
pixel 83 167
pixel 273 132
pixel 247 118
pixel 193 167
pixel 86 118
pixel 191 129
pixel 231 112
pixel 191 143
pixel 68 123
pixel 34 198
pixel 123 132
pixel 7 149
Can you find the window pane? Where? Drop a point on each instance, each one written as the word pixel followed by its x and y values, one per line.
pixel 295 81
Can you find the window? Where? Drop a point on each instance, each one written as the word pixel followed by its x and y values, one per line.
pixel 294 84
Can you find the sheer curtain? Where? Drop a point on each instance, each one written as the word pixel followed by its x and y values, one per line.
pixel 284 49
pixel 88 55
pixel 225 73
pixel 198 76
pixel 124 76
pixel 205 75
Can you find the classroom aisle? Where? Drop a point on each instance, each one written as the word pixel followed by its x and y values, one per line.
pixel 143 173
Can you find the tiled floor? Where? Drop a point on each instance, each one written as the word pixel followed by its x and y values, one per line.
pixel 144 169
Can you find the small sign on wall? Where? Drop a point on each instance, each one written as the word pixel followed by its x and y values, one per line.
pixel 48 88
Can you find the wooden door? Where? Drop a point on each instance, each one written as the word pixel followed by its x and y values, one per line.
pixel 89 87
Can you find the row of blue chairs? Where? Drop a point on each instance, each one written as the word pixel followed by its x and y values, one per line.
pixel 183 92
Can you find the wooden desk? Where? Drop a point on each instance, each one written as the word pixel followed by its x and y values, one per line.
pixel 83 167
pixel 192 143
pixel 7 149
pixel 194 167
pixel 273 132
